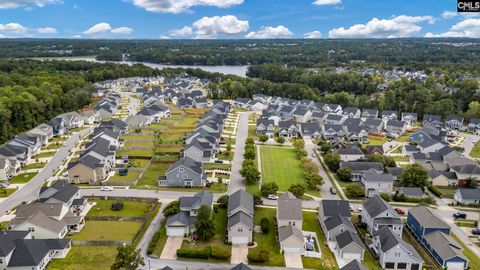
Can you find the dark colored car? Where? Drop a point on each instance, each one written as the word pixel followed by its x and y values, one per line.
pixel 476 231
pixel 400 211
pixel 460 215
pixel 333 191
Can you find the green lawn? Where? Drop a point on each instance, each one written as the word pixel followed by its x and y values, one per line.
pixel 225 156
pixel 447 192
pixel 167 157
pixel 129 178
pixel 58 139
pixel 139 163
pixel 34 166
pixel 108 231
pixel 400 158
pixel 171 138
pixel 218 166
pixel 267 241
pixel 22 178
pixel 162 240
pixel 5 192
pixel 135 153
pixel 86 257
pixel 138 144
pixel 214 188
pixel 150 177
pixel 169 149
pixel 280 165
pixel 310 223
pixel 52 146
pixel 45 154
pixel 139 136
pixel 253 189
pixel 189 121
pixel 130 209
pixel 376 140
pixel 475 153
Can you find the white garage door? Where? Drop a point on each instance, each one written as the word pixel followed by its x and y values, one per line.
pixel 291 250
pixel 352 256
pixel 454 265
pixel 174 231
pixel 239 240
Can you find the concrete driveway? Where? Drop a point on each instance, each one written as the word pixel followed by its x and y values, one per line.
pixel 239 254
pixel 293 260
pixel 170 249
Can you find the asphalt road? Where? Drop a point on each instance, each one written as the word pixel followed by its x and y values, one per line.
pixel 469 143
pixel 30 190
pixel 189 265
pixel 236 180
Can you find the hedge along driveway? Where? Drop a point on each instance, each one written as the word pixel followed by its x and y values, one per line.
pixel 280 165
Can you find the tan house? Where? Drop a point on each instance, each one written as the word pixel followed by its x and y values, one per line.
pixel 87 170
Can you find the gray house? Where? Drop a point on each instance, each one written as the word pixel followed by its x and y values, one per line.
pixel 185 172
pixel 310 130
pixel 378 213
pixel 265 127
pixel 287 129
pixel 183 222
pixel 240 217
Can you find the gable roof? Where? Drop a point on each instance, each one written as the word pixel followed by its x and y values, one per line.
pixel 389 240
pixel 285 232
pixel 354 265
pixel 309 128
pixel 376 205
pixel 181 217
pixel 241 266
pixel 444 245
pixel 289 207
pixel 469 194
pixel 240 217
pixel 354 150
pixel 356 166
pixel 427 218
pixel 337 220
pixel 61 191
pixel 334 207
pixel 347 237
pixel 188 163
pixel 242 199
pixel 197 200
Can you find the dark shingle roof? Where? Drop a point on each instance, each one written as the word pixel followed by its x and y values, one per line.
pixel 470 194
pixel 334 207
pixel 240 217
pixel 354 265
pixel 376 205
pixel 242 199
pixel 346 238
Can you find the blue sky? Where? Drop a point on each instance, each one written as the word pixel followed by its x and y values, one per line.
pixel 174 19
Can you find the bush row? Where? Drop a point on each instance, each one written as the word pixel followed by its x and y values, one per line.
pixel 205 253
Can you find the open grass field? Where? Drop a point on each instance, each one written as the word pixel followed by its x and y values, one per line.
pixel 86 257
pixel 475 153
pixel 130 209
pixel 34 166
pixel 150 177
pixel 129 178
pixel 280 165
pixel 5 192
pixel 22 178
pixel 45 154
pixel 310 223
pixel 135 153
pixel 139 163
pixel 267 241
pixel 108 231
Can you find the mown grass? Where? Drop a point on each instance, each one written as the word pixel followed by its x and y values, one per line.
pixel 280 165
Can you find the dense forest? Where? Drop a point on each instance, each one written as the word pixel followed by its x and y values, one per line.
pixel 32 92
pixel 444 55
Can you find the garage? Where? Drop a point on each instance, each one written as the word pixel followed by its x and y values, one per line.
pixel 175 231
pixel 455 265
pixel 239 240
pixel 352 256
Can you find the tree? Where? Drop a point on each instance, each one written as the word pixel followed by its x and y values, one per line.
pixel 269 188
pixel 385 160
pixel 297 189
pixel 325 148
pixel 229 146
pixel 172 208
pixel 251 174
pixel 249 153
pixel 385 196
pixel 265 225
pixel 280 140
pixel 313 180
pixel 332 160
pixel 257 200
pixel 204 227
pixel 128 258
pixel 414 176
pixel 263 138
pixel 354 191
pixel 223 201
pixel 471 183
pixel 344 174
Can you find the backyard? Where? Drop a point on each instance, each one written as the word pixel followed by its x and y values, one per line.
pixel 129 178
pixel 150 177
pixel 475 153
pixel 86 257
pixel 108 231
pixel 310 223
pixel 22 178
pixel 130 209
pixel 280 165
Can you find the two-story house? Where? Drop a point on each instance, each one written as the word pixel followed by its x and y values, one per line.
pixel 183 222
pixel 185 172
pixel 265 127
pixel 289 223
pixel 240 217
pixel 378 213
pixel 287 129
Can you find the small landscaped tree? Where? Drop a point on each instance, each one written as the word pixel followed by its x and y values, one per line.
pixel 249 153
pixel 312 180
pixel 265 225
pixel 223 201
pixel 251 174
pixel 414 175
pixel 344 174
pixel 269 188
pixel 171 209
pixel 280 140
pixel 128 258
pixel 204 227
pixel 471 183
pixel 332 160
pixel 263 138
pixel 355 191
pixel 297 189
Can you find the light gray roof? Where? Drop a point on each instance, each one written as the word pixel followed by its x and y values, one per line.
pixel 347 237
pixel 427 218
pixel 414 192
pixel 444 245
pixel 240 217
pixel 354 265
pixel 470 194
pixel 376 205
pixel 197 200
pixel 289 208
pixel 336 220
pixel 373 177
pixel 362 165
pixel 188 163
pixel 334 207
pixel 350 151
pixel 42 220
pixel 389 240
pixel 285 232
pixel 242 199
pixel 182 217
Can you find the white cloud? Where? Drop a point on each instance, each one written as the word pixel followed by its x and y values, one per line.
pixel 313 34
pixel 267 32
pixel 400 26
pixel 13 28
pixel 327 2
pixel 212 27
pixel 122 30
pixel 164 37
pixel 447 14
pixel 77 36
pixel 46 30
pixel 103 28
pixel 181 6
pixel 466 28
pixel 9 4
pixel 182 32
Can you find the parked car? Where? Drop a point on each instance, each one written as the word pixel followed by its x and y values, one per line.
pixel 476 231
pixel 460 215
pixel 106 189
pixel 4 184
pixel 314 155
pixel 359 209
pixel 272 197
pixel 333 191
pixel 400 211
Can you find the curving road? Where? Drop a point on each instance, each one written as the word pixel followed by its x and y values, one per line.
pixel 30 190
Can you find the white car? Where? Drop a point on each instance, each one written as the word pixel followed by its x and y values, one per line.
pixel 272 197
pixel 106 189
pixel 359 209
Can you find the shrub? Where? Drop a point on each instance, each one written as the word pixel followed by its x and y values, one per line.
pixel 172 208
pixel 435 190
pixel 153 242
pixel 223 201
pixel 355 191
pixel 221 253
pixel 201 253
pixel 259 257
pixel 385 196
pixel 265 224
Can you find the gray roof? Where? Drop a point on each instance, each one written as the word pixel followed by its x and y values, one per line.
pixel 182 217
pixel 334 207
pixel 354 150
pixel 414 192
pixel 197 200
pixel 289 208
pixel 376 205
pixel 354 265
pixel 467 169
pixel 410 147
pixel 373 177
pixel 241 266
pixel 362 165
pixel 309 128
pixel 395 171
pixel 470 194
pixel 444 245
pixel 389 240
pixel 337 220
pixel 240 199
pixel 6 241
pixel 40 219
pixel 285 232
pixel 60 191
pixel 29 252
pixel 396 123
pixel 188 163
pixel 347 237
pixel 427 218
pixel 240 217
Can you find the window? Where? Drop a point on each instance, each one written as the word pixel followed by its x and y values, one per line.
pixel 181 170
pixel 240 229
pixel 401 265
pixel 31 229
pixel 293 223
pixel 389 265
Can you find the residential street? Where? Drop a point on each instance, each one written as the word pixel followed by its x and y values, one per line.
pixel 469 143
pixel 236 181
pixel 30 190
pixel 191 265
